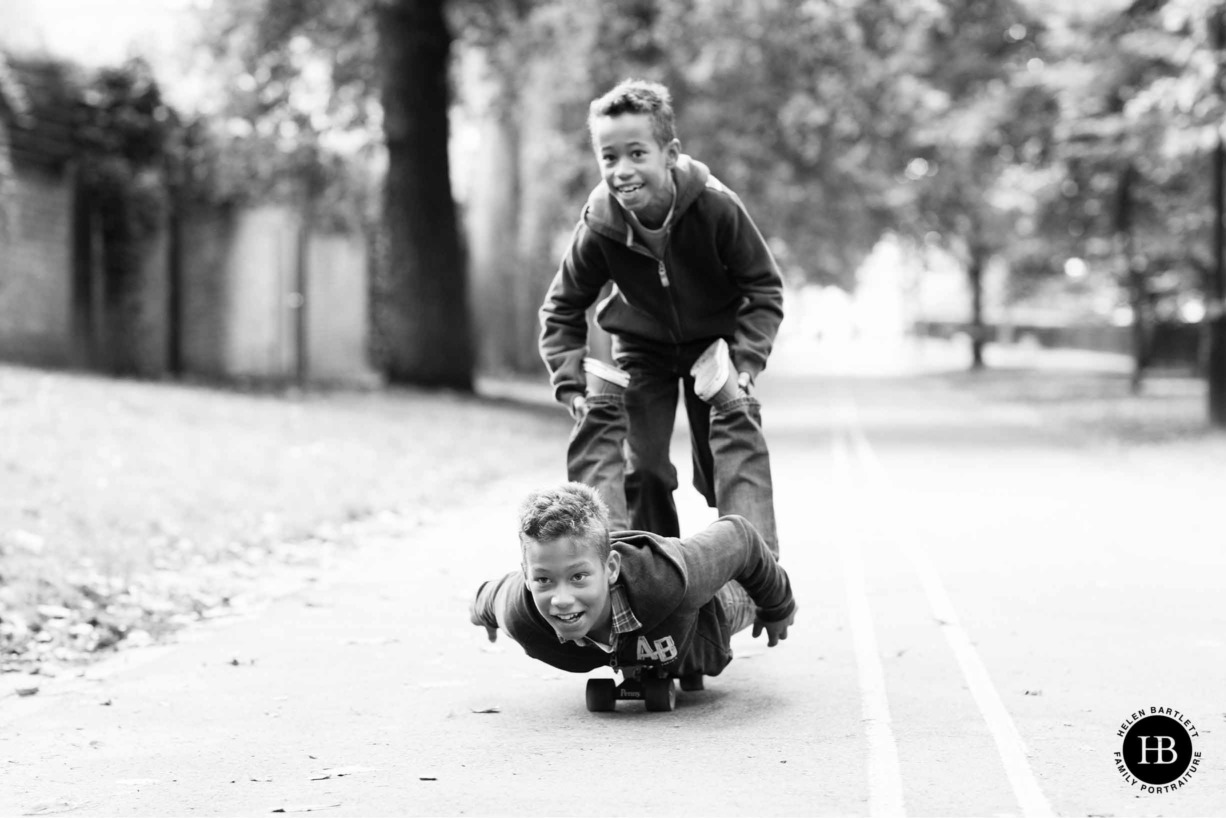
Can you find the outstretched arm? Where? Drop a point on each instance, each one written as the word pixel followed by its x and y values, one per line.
pixel 488 607
pixel 732 549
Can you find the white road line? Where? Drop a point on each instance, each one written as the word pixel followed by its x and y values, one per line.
pixel 884 775
pixel 1000 724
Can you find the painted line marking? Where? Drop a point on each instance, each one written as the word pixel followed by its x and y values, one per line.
pixel 884 775
pixel 1009 743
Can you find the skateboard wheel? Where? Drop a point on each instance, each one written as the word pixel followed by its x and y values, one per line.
pixel 692 681
pixel 601 695
pixel 660 695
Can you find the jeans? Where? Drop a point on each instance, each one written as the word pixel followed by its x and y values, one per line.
pixel 740 480
pixel 742 474
pixel 595 456
pixel 658 373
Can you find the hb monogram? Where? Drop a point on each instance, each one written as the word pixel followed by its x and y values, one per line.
pixel 1165 744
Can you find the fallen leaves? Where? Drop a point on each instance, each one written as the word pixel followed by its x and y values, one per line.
pixel 339 772
pixel 50 625
pixel 86 609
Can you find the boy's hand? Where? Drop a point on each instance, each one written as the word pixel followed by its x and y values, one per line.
pixel 492 633
pixel 774 630
pixel 744 380
pixel 578 407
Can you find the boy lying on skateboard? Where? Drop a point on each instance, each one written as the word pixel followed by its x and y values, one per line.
pixel 651 606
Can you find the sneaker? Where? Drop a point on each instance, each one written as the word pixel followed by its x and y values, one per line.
pixel 714 377
pixel 692 681
pixel 603 379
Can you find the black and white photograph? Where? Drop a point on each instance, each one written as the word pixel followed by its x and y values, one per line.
pixel 613 408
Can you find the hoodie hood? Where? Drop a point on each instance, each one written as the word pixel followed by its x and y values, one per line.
pixel 653 574
pixel 605 216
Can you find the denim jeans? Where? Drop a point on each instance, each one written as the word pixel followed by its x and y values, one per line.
pixel 742 474
pixel 741 479
pixel 595 454
pixel 659 374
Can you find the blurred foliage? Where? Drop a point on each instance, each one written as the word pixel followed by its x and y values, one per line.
pixel 126 151
pixel 290 109
pixel 794 105
pixel 1138 100
pixel 995 126
pixel 982 121
pixel 125 141
pixel 111 123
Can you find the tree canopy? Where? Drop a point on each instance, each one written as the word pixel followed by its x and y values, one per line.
pixel 1031 131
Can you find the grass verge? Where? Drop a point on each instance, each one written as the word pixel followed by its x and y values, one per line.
pixel 128 509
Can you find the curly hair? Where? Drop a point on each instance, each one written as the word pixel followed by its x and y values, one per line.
pixel 570 510
pixel 638 97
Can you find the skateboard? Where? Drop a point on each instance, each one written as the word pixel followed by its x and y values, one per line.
pixel 653 686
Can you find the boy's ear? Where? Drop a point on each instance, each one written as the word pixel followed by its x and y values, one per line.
pixel 672 152
pixel 614 566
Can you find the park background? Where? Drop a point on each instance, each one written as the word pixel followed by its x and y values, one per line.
pixel 370 191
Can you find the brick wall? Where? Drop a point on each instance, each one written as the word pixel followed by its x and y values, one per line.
pixel 36 270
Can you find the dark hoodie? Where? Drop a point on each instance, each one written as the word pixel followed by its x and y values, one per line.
pixel 671 586
pixel 717 279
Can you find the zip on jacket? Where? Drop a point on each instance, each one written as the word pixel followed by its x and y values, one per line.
pixel 662 272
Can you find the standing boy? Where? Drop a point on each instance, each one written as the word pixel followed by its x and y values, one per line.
pixel 689 268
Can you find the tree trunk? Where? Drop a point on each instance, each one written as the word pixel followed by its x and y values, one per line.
pixel 1215 287
pixel 1135 277
pixel 425 327
pixel 974 272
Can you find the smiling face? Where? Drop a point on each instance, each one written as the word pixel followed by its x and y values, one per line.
pixel 570 584
pixel 636 168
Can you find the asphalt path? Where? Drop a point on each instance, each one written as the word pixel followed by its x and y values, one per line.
pixel 983 602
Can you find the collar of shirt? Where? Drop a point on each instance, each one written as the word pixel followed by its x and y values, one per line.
pixel 624 620
pixel 654 239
